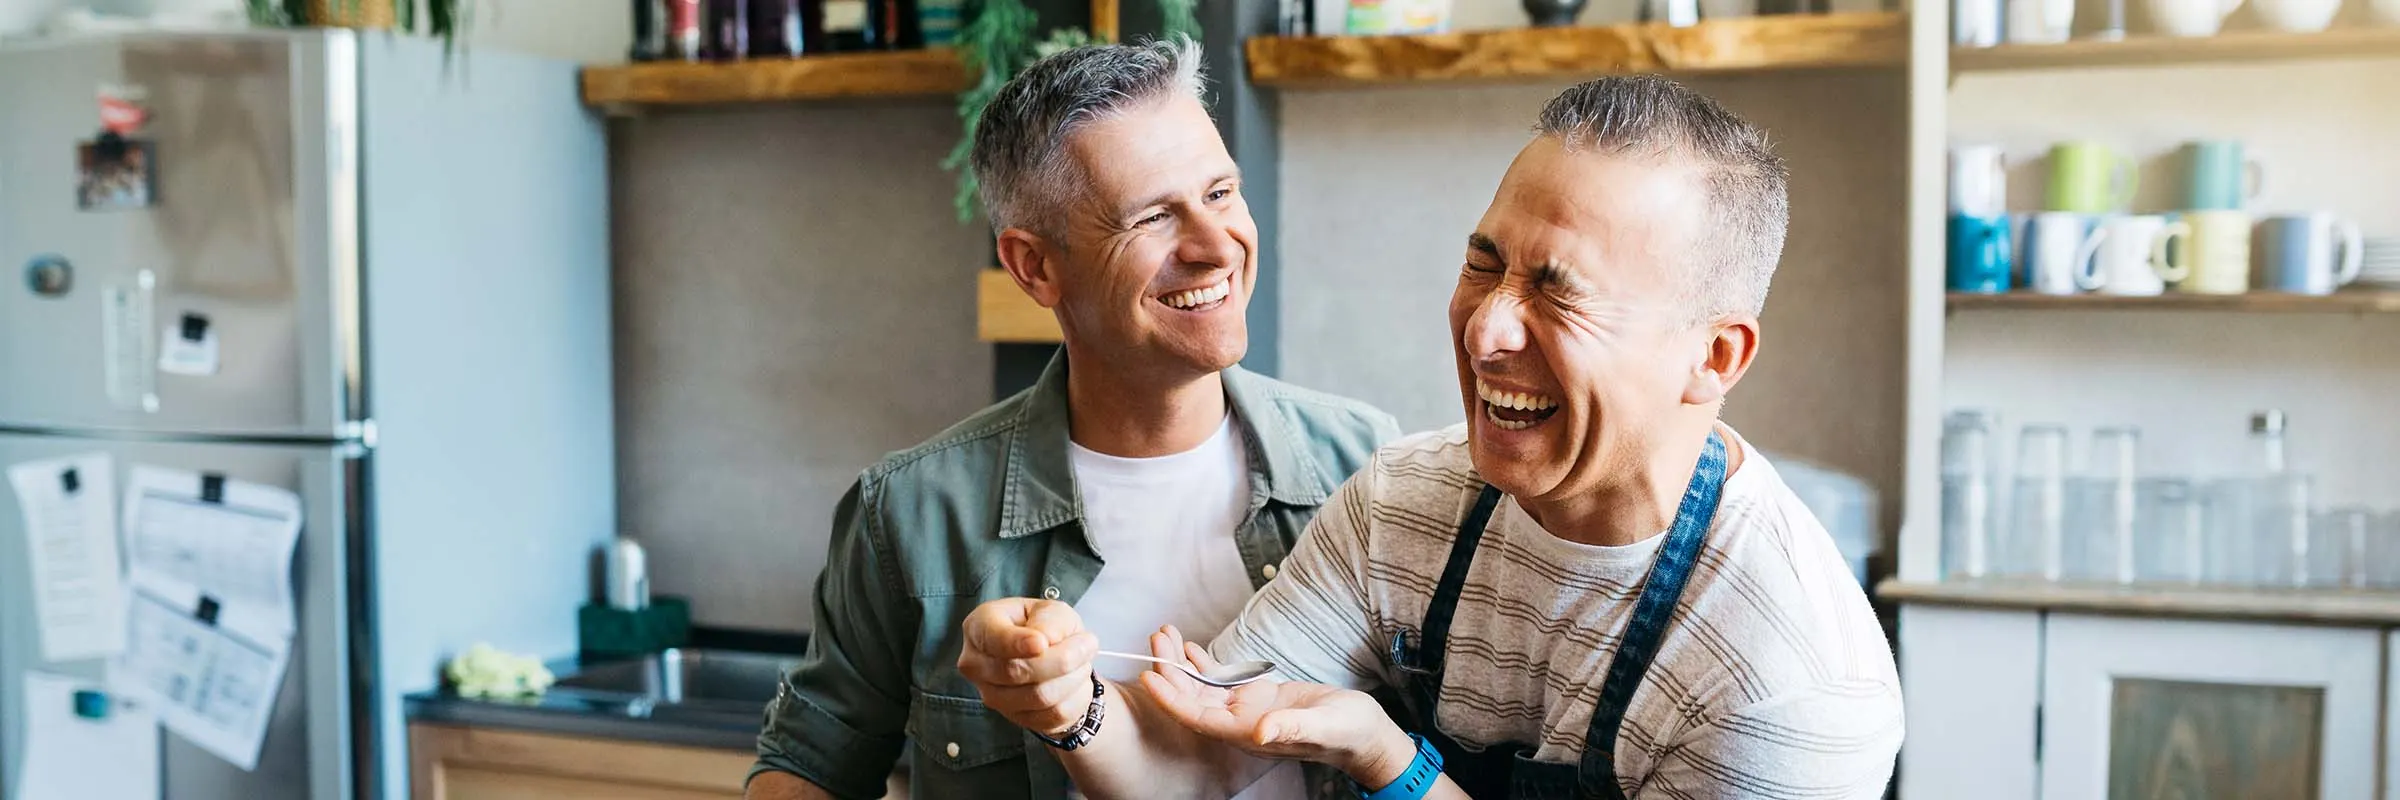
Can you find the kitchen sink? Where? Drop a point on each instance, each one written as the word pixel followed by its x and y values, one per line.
pixel 688 677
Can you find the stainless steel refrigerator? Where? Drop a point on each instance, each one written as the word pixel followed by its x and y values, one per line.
pixel 403 261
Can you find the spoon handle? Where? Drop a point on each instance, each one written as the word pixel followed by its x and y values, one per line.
pixel 1150 659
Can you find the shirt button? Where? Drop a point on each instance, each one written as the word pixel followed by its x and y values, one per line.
pixel 1268 570
pixel 1050 593
pixel 952 749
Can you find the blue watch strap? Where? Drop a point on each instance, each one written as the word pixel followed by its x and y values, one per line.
pixel 1419 779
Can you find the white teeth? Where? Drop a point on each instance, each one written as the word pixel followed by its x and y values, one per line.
pixel 1192 298
pixel 1520 401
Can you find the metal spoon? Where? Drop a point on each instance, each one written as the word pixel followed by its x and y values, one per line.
pixel 1225 676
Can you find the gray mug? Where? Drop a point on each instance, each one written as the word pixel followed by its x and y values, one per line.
pixel 2312 253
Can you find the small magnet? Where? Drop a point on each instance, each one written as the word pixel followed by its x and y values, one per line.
pixel 91 704
pixel 70 481
pixel 49 276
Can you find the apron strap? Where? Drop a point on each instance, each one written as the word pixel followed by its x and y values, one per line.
pixel 1638 646
pixel 1433 639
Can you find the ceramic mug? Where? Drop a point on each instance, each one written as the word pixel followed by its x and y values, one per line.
pixel 2191 17
pixel 2297 16
pixel 1978 180
pixel 2129 261
pixel 2089 178
pixel 1979 254
pixel 2059 246
pixel 2039 21
pixel 2300 252
pixel 2219 177
pixel 2214 255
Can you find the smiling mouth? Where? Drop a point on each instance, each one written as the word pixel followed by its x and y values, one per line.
pixel 1514 411
pixel 1201 299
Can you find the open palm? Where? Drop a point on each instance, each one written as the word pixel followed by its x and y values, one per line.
pixel 1270 719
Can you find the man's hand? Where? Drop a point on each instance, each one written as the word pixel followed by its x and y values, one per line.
pixel 1282 720
pixel 1032 661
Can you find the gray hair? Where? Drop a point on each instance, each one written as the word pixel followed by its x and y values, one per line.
pixel 1019 172
pixel 1748 206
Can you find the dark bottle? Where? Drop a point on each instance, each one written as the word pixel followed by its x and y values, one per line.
pixel 893 25
pixel 728 29
pixel 785 28
pixel 649 31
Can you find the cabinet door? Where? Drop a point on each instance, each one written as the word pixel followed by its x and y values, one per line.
pixel 1959 665
pixel 2136 707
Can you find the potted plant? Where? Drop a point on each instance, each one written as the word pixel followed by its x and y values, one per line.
pixel 443 18
pixel 997 43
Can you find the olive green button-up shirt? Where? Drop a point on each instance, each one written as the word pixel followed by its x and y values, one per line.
pixel 985 510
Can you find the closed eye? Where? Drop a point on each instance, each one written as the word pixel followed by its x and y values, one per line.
pixel 1153 219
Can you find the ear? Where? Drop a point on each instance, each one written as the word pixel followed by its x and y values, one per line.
pixel 1032 262
pixel 1732 343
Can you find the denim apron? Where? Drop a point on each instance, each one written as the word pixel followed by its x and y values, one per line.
pixel 1507 770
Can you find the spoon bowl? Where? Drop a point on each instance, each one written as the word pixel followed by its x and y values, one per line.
pixel 1225 676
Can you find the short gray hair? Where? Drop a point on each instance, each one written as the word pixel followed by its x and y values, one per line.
pixel 1019 173
pixel 1748 207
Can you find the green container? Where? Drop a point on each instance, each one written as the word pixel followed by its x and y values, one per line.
pixel 611 632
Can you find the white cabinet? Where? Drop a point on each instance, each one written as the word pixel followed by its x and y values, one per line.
pixel 1970 680
pixel 2139 706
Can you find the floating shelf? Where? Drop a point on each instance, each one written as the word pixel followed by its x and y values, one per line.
pixel 1795 41
pixel 2352 301
pixel 2150 51
pixel 1004 314
pixel 898 73
pixel 2322 606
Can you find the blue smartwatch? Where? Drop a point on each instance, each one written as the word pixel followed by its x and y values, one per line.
pixel 1414 783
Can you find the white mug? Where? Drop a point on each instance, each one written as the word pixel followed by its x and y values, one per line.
pixel 2039 21
pixel 2298 16
pixel 1978 180
pixel 2058 253
pixel 2129 263
pixel 1976 23
pixel 2191 17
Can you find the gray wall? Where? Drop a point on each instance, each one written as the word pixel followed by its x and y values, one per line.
pixel 794 299
pixel 1382 187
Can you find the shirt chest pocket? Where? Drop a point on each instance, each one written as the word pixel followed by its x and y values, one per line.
pixel 961 733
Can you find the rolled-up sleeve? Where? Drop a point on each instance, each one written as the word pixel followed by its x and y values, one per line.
pixel 838 719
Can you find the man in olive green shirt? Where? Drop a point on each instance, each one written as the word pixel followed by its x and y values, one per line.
pixel 1145 476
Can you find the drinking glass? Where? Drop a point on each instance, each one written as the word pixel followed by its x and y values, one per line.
pixel 2383 554
pixel 2101 506
pixel 2171 545
pixel 1968 509
pixel 2337 548
pixel 2038 504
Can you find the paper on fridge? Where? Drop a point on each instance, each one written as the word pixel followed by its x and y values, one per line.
pixel 70 511
pixel 210 620
pixel 196 534
pixel 82 743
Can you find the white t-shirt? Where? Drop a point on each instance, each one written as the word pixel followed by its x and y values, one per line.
pixel 1164 528
pixel 1772 678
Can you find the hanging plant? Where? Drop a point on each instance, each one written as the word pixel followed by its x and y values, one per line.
pixel 997 43
pixel 444 19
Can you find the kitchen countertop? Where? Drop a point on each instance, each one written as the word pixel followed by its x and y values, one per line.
pixel 700 720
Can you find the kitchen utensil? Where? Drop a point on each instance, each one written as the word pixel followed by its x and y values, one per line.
pixel 1979 254
pixel 2298 16
pixel 2058 253
pixel 2128 261
pixel 2214 255
pixel 2088 177
pixel 2189 18
pixel 1977 23
pixel 1225 676
pixel 2039 21
pixel 1978 180
pixel 2218 176
pixel 1968 506
pixel 2038 504
pixel 2310 253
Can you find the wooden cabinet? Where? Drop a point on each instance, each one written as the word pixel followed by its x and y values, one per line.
pixel 459 763
pixel 1971 683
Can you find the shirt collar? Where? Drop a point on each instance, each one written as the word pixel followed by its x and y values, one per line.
pixel 1038 482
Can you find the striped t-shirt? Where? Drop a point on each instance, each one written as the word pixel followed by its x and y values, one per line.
pixel 1773 678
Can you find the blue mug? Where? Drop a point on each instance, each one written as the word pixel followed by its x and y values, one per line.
pixel 1979 254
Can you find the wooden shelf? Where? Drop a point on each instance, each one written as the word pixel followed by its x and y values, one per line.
pixel 2320 606
pixel 2148 51
pixel 2352 301
pixel 898 73
pixel 1573 53
pixel 1004 314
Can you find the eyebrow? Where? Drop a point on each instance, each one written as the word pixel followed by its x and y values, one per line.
pixel 1483 244
pixel 1168 196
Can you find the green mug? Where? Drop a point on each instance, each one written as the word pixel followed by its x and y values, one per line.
pixel 2086 177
